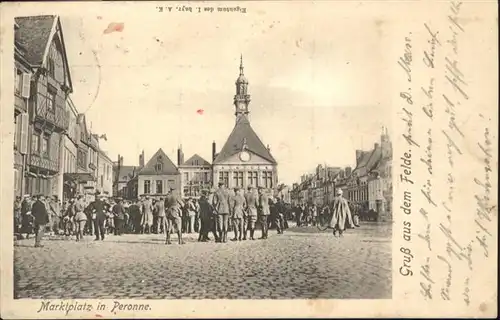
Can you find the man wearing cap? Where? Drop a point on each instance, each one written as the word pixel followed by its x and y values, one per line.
pixel 160 213
pixel 191 215
pixel 221 206
pixel 98 208
pixel 252 203
pixel 173 205
pixel 237 213
pixel 340 215
pixel 206 217
pixel 147 215
pixel 264 211
pixel 41 218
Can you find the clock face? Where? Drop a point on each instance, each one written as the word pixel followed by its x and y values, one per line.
pixel 241 106
pixel 244 156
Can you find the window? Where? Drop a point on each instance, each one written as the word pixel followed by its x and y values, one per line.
pixel 196 163
pixel 252 179
pixel 147 186
pixel 224 177
pixel 186 176
pixel 35 143
pixel 238 179
pixel 159 186
pixel 158 167
pixel 267 177
pixel 51 68
pixel 186 191
pixel 45 147
pixel 82 159
pixel 18 83
pixel 207 179
pixel 51 101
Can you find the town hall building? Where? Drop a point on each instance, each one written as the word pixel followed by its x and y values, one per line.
pixel 244 160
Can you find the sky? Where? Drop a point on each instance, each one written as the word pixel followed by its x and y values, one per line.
pixel 317 91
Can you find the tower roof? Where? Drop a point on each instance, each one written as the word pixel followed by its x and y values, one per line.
pixel 241 78
pixel 243 133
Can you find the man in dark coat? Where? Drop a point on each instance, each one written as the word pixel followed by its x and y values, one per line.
pixel 206 218
pixel 41 217
pixel 99 209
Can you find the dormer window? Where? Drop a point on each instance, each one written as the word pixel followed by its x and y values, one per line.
pixel 158 167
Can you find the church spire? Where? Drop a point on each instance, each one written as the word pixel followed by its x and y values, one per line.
pixel 241 64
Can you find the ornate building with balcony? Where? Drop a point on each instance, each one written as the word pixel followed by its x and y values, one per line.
pixel 50 85
pixel 244 160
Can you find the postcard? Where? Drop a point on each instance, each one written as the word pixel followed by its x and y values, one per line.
pixel 249 159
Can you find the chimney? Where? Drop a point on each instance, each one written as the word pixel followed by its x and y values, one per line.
pixel 213 151
pixel 179 156
pixel 141 159
pixel 376 145
pixel 268 148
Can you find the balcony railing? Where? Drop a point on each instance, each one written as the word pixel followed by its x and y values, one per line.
pixel 44 163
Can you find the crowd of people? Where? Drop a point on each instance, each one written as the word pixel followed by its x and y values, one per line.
pixel 216 211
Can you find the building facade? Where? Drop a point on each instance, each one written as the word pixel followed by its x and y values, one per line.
pixel 50 85
pixel 244 160
pixel 157 176
pixel 105 174
pixel 196 175
pixel 22 86
pixel 70 181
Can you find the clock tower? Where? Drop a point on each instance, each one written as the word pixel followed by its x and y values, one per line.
pixel 241 98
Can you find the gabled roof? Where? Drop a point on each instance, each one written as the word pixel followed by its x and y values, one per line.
pixel 159 157
pixel 195 161
pixel 368 160
pixel 35 35
pixel 234 142
pixel 125 171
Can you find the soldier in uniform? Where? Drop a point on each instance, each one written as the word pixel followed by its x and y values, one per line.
pixel 221 206
pixel 98 208
pixel 206 217
pixel 252 203
pixel 147 215
pixel 237 212
pixel 264 211
pixel 173 205
pixel 160 212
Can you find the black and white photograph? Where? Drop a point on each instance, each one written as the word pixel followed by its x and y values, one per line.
pixel 234 154
pixel 147 172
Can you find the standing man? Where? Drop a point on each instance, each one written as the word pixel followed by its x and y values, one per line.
pixel 252 203
pixel 221 206
pixel 160 212
pixel 191 215
pixel 340 214
pixel 147 215
pixel 55 212
pixel 238 206
pixel 98 210
pixel 119 217
pixel 264 211
pixel 41 217
pixel 173 204
pixel 206 217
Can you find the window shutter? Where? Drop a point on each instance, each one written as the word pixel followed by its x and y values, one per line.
pixel 24 133
pixel 25 92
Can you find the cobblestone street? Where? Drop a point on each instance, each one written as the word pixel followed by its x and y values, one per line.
pixel 303 263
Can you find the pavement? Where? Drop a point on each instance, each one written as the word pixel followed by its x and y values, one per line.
pixel 302 263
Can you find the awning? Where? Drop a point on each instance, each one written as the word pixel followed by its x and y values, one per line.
pixel 79 177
